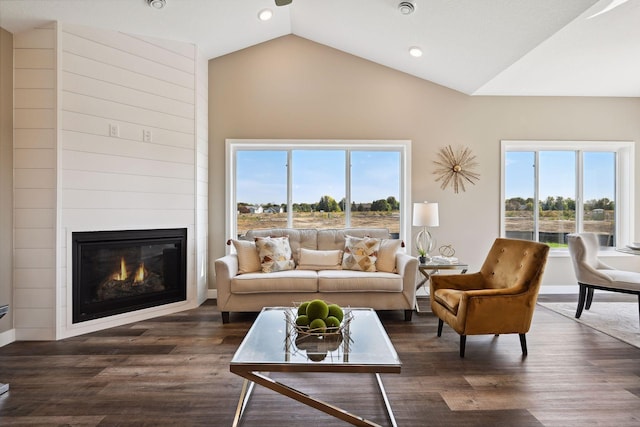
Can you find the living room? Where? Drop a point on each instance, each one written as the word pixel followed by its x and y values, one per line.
pixel 287 87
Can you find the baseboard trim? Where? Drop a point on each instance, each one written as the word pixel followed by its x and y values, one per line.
pixel 7 337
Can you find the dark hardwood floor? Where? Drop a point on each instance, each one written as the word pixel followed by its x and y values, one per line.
pixel 174 371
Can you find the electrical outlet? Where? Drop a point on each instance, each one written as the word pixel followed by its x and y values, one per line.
pixel 146 135
pixel 114 130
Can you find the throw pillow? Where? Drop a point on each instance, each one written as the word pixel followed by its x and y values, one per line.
pixel 275 254
pixel 360 253
pixel 248 259
pixel 310 259
pixel 387 255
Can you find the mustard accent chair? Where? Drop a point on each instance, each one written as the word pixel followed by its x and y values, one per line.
pixel 499 299
pixel 595 274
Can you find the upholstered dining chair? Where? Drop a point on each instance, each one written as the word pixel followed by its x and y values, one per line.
pixel 499 299
pixel 595 274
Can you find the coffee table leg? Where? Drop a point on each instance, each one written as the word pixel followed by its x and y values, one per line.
pixel 386 401
pixel 245 394
pixel 315 403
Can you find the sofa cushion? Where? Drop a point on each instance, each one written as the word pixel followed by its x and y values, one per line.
pixel 387 255
pixel 281 281
pixel 360 254
pixel 310 259
pixel 358 281
pixel 298 238
pixel 275 254
pixel 248 258
pixel 335 238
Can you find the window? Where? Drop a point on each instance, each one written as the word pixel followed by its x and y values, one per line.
pixel 317 184
pixel 553 188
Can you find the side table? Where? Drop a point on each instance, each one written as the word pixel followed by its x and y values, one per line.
pixel 429 269
pixel 4 309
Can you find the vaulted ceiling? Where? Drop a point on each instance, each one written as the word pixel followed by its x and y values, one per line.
pixel 478 47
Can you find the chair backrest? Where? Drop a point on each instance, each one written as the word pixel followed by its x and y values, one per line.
pixel 583 248
pixel 513 263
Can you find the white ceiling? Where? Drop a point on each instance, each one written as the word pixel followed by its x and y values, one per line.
pixel 479 47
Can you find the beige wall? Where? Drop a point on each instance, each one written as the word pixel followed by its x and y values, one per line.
pixel 6 176
pixel 293 88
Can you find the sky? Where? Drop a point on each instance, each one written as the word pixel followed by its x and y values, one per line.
pixel 557 174
pixel 262 176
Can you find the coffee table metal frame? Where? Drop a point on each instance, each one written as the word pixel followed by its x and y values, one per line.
pixel 249 361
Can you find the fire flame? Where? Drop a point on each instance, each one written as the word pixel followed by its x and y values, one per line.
pixel 123 271
pixel 139 277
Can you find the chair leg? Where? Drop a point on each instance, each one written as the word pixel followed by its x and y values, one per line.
pixel 581 299
pixel 589 298
pixel 463 344
pixel 523 344
pixel 440 323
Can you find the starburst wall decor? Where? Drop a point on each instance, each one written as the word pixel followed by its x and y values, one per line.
pixel 455 168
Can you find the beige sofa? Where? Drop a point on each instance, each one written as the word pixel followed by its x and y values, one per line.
pixel 393 288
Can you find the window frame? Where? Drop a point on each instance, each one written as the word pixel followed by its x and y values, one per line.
pixel 232 146
pixel 624 180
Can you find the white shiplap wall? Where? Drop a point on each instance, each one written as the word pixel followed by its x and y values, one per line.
pixel 85 178
pixel 35 158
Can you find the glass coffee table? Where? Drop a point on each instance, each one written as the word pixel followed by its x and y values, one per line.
pixel 273 345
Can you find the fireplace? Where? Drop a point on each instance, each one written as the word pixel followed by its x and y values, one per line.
pixel 116 272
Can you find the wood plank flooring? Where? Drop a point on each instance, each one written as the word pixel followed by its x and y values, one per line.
pixel 174 371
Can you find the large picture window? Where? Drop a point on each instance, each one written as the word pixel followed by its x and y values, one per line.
pixel 317 184
pixel 553 188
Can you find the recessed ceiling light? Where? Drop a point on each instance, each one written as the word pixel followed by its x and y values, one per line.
pixel 265 14
pixel 157 4
pixel 415 51
pixel 406 7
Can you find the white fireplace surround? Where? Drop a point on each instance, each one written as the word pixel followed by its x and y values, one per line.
pixel 70 329
pixel 110 133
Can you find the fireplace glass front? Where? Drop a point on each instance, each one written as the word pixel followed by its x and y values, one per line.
pixel 116 272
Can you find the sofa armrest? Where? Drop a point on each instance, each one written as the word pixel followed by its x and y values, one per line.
pixel 226 268
pixel 407 267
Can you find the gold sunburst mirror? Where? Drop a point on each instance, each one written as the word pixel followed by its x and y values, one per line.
pixel 455 168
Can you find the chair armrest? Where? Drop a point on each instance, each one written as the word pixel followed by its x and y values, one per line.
pixel 462 282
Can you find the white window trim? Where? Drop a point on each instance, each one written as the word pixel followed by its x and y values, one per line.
pixel 404 146
pixel 625 178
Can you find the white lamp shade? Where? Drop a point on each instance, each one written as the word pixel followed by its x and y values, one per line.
pixel 425 214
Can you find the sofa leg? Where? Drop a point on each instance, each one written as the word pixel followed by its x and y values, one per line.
pixel 523 344
pixel 440 323
pixel 463 344
pixel 225 317
pixel 408 314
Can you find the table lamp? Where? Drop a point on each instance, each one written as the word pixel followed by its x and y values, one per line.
pixel 425 215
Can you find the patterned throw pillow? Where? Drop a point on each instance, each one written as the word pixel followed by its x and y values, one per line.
pixel 248 259
pixel 360 253
pixel 275 254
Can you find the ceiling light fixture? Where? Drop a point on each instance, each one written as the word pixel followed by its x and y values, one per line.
pixel 406 7
pixel 265 14
pixel 415 51
pixel 157 4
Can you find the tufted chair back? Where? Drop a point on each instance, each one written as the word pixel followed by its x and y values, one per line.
pixel 515 264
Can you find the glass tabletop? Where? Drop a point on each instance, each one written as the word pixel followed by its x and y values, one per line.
pixel 273 341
